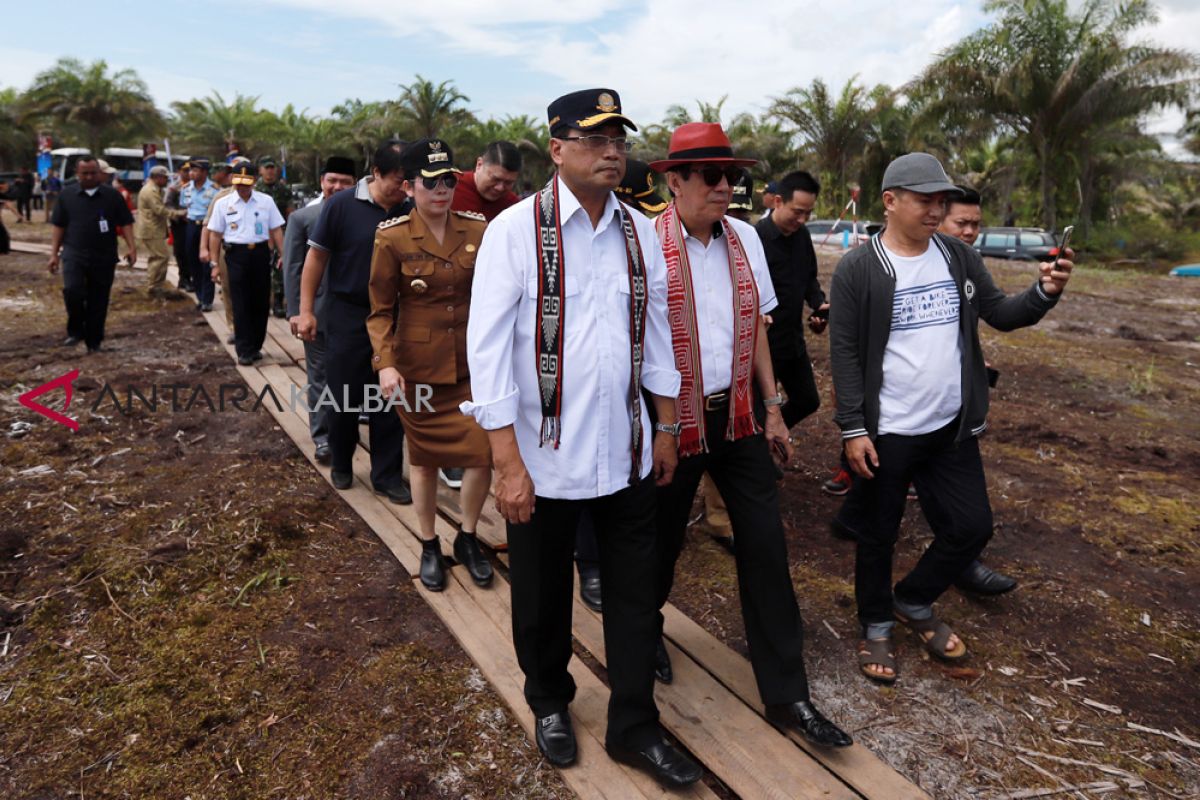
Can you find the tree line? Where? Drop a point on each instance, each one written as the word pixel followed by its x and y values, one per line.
pixel 1043 110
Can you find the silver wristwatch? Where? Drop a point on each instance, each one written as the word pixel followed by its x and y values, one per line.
pixel 672 429
pixel 777 400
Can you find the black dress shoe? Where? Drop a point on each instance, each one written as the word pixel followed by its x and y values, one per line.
pixel 341 480
pixel 245 361
pixel 399 494
pixel 71 341
pixel 669 766
pixel 662 663
pixel 556 739
pixel 467 553
pixel 980 579
pixel 433 566
pixel 589 592
pixel 231 339
pixel 258 356
pixel 323 453
pixel 804 718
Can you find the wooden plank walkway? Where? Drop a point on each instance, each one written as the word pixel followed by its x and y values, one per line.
pixel 712 708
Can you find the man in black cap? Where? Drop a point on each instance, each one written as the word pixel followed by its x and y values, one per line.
pixel 912 398
pixel 87 219
pixel 196 197
pixel 342 244
pixel 338 174
pixel 243 224
pixel 637 188
pixel 793 264
pixel 270 183
pixel 741 204
pixel 179 224
pixel 567 326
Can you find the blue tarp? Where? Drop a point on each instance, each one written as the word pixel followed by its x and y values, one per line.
pixel 1188 271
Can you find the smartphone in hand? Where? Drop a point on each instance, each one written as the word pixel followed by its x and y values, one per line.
pixel 1061 249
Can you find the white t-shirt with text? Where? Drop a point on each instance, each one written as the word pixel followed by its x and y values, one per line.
pixel 922 365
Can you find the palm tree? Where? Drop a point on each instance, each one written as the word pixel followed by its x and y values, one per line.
pixel 89 102
pixel 1053 77
pixel 214 124
pixel 1191 132
pixel 428 109
pixel 17 141
pixel 833 131
pixel 367 124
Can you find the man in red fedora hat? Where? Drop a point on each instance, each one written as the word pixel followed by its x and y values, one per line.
pixel 718 289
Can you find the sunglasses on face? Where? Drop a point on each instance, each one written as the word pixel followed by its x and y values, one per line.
pixel 598 141
pixel 712 174
pixel 449 180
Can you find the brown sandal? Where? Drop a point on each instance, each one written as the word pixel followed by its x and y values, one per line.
pixel 881 653
pixel 935 645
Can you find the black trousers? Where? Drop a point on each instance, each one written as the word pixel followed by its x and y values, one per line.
pixel 743 473
pixel 202 281
pixel 587 549
pixel 249 292
pixel 179 247
pixel 23 207
pixel 540 553
pixel 314 366
pixel 348 371
pixel 796 374
pixel 947 473
pixel 87 283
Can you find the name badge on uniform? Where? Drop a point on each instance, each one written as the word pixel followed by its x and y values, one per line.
pixel 103 225
pixel 258 226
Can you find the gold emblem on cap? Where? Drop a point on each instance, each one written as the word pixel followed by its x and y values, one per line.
pixel 435 145
pixel 606 103
pixel 470 248
pixel 419 286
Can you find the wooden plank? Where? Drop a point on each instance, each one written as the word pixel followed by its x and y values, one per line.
pixel 280 330
pixel 857 766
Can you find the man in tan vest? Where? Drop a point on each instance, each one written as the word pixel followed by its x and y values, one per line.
pixel 150 230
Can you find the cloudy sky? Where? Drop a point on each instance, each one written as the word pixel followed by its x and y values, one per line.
pixel 511 57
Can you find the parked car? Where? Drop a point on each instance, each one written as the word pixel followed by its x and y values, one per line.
pixel 127 161
pixel 819 228
pixel 1028 244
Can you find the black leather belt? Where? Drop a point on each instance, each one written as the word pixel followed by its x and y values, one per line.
pixel 250 246
pixel 715 402
pixel 195 222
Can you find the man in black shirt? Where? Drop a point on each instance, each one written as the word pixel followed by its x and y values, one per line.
pixel 793 265
pixel 343 242
pixel 86 220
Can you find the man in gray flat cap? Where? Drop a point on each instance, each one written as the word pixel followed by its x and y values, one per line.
pixel 150 230
pixel 912 399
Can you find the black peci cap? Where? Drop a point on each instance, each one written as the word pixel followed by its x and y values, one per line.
pixel 243 174
pixel 339 165
pixel 428 158
pixel 585 110
pixel 637 188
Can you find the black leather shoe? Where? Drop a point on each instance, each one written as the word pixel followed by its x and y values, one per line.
pixel 231 339
pixel 589 592
pixel 399 494
pixel 341 480
pixel 556 739
pixel 980 579
pixel 669 766
pixel 323 454
pixel 245 361
pixel 71 341
pixel 467 553
pixel 804 718
pixel 662 663
pixel 258 355
pixel 433 566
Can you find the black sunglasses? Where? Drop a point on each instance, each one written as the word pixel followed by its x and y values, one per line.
pixel 449 180
pixel 712 174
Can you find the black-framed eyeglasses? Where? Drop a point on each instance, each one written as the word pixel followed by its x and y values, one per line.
pixel 447 179
pixel 712 173
pixel 598 141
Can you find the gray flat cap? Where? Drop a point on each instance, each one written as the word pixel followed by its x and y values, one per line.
pixel 159 169
pixel 920 173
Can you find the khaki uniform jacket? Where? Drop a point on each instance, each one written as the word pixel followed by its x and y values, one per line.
pixel 420 293
pixel 153 216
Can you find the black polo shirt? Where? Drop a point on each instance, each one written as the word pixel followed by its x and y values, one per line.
pixel 793 265
pixel 84 216
pixel 346 230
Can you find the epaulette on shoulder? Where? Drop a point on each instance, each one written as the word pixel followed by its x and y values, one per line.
pixel 387 223
pixel 472 215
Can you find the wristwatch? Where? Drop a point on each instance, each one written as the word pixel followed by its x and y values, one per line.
pixel 777 400
pixel 672 429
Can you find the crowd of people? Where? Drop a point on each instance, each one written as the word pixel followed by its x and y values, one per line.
pixel 595 353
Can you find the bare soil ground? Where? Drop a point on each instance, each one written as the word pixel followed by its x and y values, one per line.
pixel 186 609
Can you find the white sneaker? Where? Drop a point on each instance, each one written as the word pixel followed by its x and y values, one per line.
pixel 451 476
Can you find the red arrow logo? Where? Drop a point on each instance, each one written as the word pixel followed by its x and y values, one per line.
pixel 65 382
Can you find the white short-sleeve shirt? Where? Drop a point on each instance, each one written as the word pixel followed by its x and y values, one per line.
pixel 245 221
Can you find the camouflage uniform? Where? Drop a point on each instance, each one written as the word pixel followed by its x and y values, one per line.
pixel 281 193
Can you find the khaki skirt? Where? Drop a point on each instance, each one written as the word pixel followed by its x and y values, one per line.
pixel 444 437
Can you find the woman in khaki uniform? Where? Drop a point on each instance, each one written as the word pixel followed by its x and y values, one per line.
pixel 421 275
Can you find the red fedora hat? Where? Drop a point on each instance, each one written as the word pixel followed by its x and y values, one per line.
pixel 699 143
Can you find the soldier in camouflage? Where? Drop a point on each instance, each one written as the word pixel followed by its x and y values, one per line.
pixel 270 183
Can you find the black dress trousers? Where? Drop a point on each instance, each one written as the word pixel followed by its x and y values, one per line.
pixel 87 283
pixel 249 292
pixel 743 473
pixel 348 371
pixel 540 574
